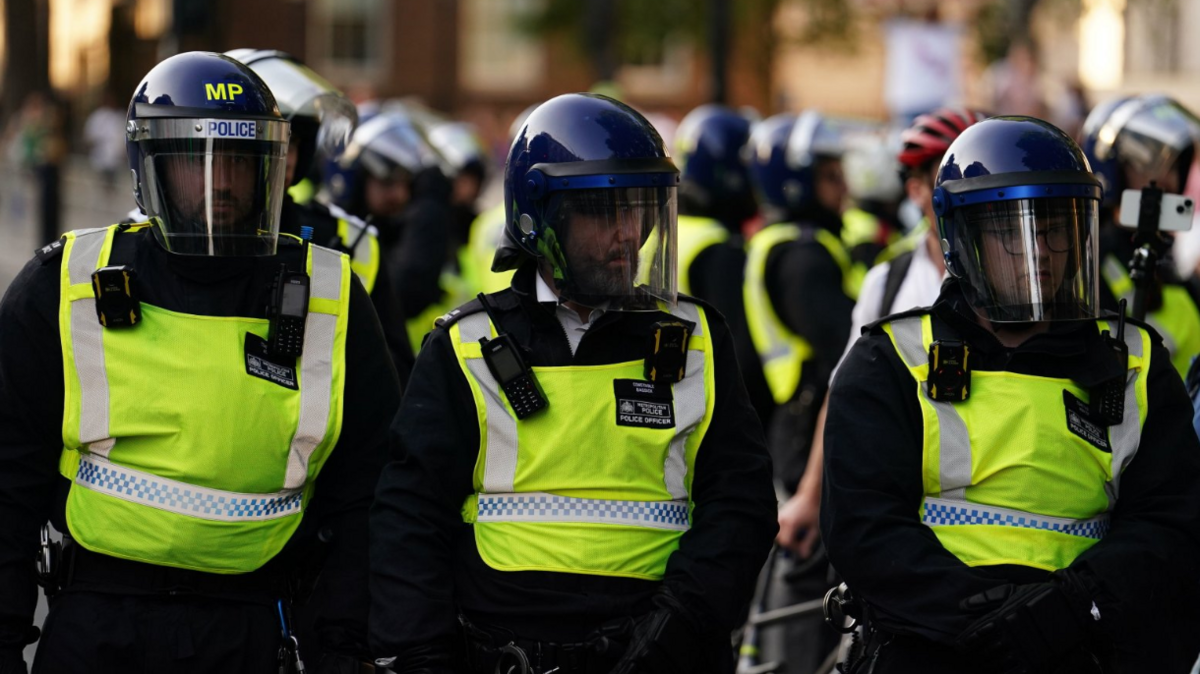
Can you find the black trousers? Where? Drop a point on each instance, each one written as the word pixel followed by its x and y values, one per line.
pixel 98 632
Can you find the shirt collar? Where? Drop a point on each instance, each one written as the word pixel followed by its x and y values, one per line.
pixel 544 294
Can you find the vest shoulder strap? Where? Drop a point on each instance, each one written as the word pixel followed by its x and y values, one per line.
pixel 897 272
pixel 455 315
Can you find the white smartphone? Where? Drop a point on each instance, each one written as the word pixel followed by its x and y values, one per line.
pixel 1175 215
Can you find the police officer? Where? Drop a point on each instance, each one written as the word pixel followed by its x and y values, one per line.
pixel 911 277
pixel 197 403
pixel 322 119
pixel 716 198
pixel 1012 484
pixel 468 161
pixel 799 288
pixel 1130 142
pixel 391 176
pixel 583 485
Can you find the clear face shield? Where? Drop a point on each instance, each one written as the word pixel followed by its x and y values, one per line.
pixel 215 186
pixel 300 91
pixel 613 248
pixel 1029 260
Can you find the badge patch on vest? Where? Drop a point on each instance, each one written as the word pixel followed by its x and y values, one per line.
pixel 644 404
pixel 1081 423
pixel 258 364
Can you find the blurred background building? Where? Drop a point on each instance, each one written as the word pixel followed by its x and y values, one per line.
pixel 486 60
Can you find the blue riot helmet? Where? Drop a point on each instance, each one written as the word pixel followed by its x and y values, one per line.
pixel 388 147
pixel 784 152
pixel 714 177
pixel 590 193
pixel 208 150
pixel 1018 209
pixel 322 117
pixel 1131 141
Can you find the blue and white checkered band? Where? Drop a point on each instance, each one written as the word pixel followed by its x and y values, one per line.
pixel 150 490
pixel 540 507
pixel 940 512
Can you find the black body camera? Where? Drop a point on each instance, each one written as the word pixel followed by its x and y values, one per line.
pixel 117 304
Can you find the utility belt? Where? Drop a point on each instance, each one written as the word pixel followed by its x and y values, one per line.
pixel 495 650
pixel 82 568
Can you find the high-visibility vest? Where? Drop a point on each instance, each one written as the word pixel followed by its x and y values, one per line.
pixel 782 351
pixel 475 260
pixel 1019 473
pixel 361 241
pixel 1177 320
pixel 600 481
pixel 178 456
pixel 695 236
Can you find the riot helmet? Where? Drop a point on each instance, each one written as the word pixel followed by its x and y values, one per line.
pixel 322 117
pixel 1143 138
pixel 786 152
pixel 390 149
pixel 590 193
pixel 1018 209
pixel 714 177
pixel 208 150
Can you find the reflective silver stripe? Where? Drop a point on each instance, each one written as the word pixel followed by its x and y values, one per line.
pixel 87 343
pixel 147 489
pixel 316 367
pixel 500 471
pixel 542 507
pixel 945 512
pixel 1126 436
pixel 954 446
pixel 690 407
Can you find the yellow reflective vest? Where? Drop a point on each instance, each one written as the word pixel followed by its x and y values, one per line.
pixel 1018 473
pixel 1177 320
pixel 782 351
pixel 600 481
pixel 696 235
pixel 177 455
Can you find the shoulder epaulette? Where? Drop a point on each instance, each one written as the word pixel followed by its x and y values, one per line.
pixel 915 312
pixel 50 252
pixel 453 316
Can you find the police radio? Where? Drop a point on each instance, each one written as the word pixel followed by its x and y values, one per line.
pixel 516 379
pixel 287 311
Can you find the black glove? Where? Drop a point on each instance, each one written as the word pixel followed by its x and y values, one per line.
pixel 1026 629
pixel 339 663
pixel 438 657
pixel 666 640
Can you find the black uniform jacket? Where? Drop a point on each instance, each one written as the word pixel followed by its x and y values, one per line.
pixel 717 276
pixel 804 283
pixel 1142 574
pixel 425 566
pixel 31 413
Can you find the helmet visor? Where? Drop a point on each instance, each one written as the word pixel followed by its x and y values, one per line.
pixel 1028 259
pixel 1153 140
pixel 613 248
pixel 215 197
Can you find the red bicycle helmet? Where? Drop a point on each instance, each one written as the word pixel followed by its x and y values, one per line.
pixel 931 134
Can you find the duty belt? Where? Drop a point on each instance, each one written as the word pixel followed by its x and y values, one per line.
pixel 492 650
pixel 99 572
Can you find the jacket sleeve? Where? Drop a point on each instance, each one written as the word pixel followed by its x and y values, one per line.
pixel 417 510
pixel 31 408
pixel 346 484
pixel 872 497
pixel 1144 572
pixel 734 520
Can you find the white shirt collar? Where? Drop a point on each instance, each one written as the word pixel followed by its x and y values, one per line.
pixel 544 293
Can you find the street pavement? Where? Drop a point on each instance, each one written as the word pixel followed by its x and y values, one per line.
pixel 87 202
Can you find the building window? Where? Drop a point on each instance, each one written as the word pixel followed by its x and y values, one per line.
pixel 658 70
pixel 345 38
pixel 494 55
